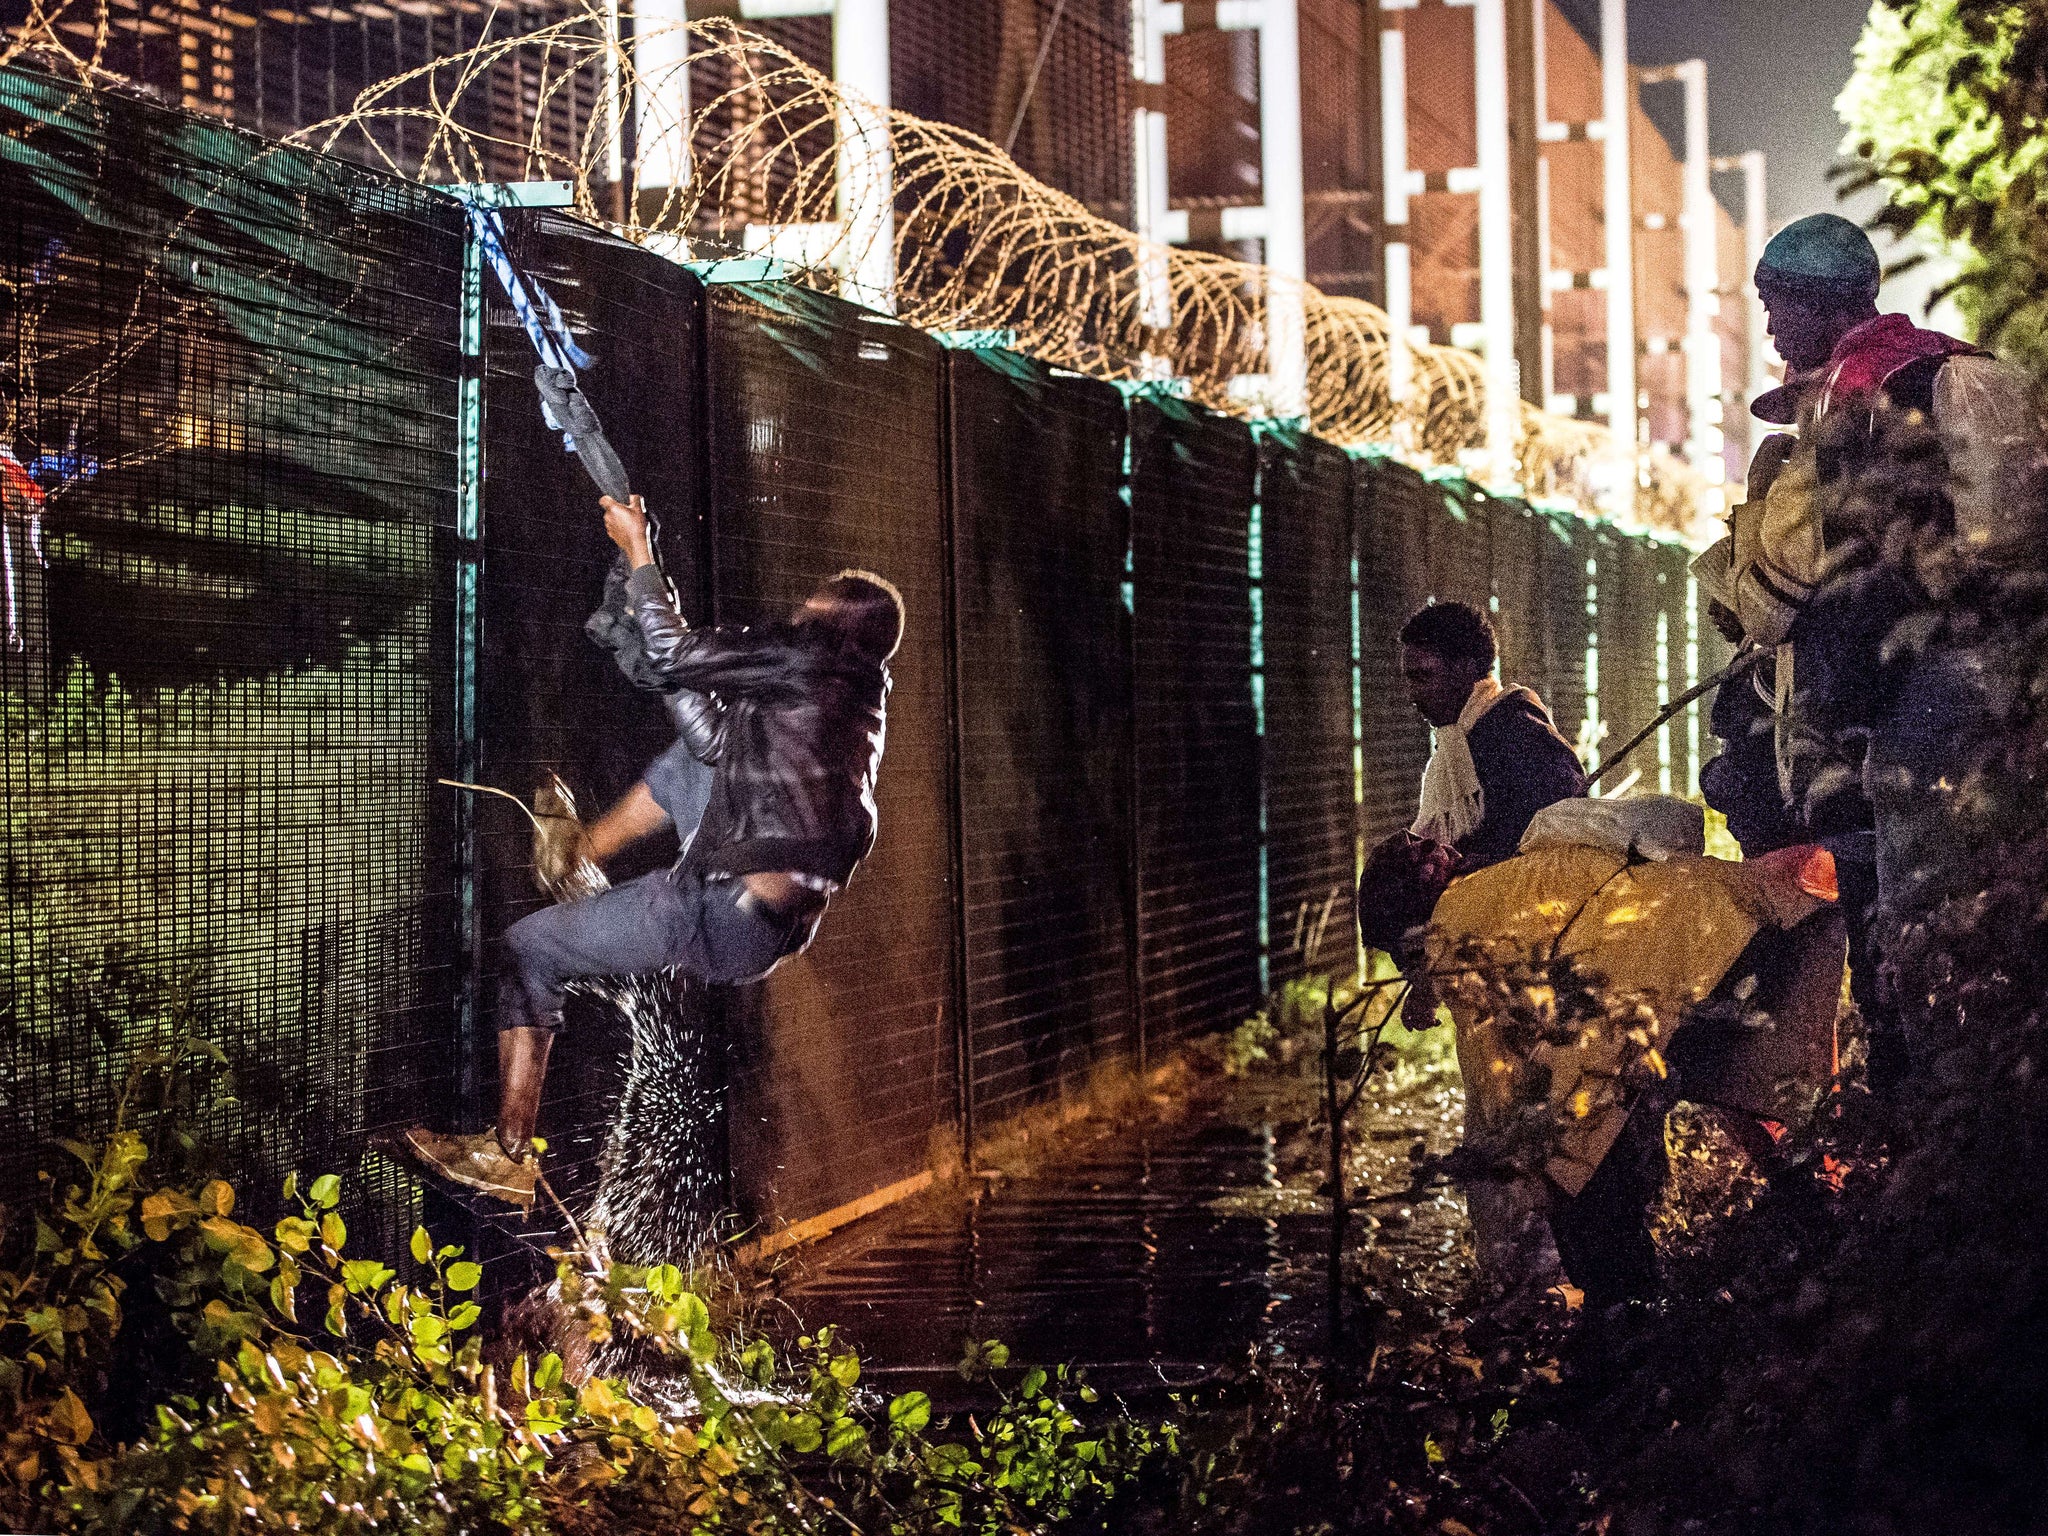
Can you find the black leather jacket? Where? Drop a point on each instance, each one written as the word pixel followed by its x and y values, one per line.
pixel 791 721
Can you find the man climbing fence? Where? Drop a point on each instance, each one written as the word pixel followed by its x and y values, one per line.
pixel 771 788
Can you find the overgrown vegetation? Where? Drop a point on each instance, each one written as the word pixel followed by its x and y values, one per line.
pixel 332 1392
pixel 1945 112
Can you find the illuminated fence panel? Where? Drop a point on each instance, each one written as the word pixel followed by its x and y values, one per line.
pixel 1311 814
pixel 825 452
pixel 1566 547
pixel 1628 652
pixel 1517 560
pixel 550 701
pixel 1393 506
pixel 1461 545
pixel 1039 533
pixel 1192 480
pixel 1707 654
pixel 222 775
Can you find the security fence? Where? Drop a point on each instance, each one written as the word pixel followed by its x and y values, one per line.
pixel 287 542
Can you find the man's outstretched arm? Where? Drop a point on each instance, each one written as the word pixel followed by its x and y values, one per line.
pixel 729 662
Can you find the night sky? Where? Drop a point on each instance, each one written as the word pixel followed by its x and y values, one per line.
pixel 1773 70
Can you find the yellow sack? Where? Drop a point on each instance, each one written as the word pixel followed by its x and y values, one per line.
pixel 1667 931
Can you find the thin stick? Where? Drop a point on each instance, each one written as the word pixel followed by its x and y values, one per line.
pixel 1739 667
pixel 502 794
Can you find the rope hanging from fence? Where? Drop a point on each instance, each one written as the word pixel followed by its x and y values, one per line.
pixel 744 148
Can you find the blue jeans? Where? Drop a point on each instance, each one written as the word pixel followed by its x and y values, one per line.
pixel 669 918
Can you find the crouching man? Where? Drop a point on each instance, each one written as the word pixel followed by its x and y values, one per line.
pixel 771 789
pixel 1603 972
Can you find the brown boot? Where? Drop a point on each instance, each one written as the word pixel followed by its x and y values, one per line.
pixel 476 1162
pixel 562 867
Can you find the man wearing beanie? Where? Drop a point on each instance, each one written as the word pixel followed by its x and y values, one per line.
pixel 1818 279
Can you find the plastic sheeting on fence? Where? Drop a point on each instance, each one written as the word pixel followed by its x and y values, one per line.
pixel 1196 763
pixel 222 774
pixel 825 452
pixel 1311 815
pixel 1043 645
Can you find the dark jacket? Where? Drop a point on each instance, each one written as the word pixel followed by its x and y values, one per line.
pixel 792 723
pixel 1523 765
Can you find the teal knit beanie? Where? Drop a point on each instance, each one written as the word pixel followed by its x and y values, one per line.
pixel 1823 249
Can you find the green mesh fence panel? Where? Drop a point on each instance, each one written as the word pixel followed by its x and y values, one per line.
pixel 1517 533
pixel 1628 651
pixel 1043 644
pixel 825 451
pixel 1566 551
pixel 221 734
pixel 1311 815
pixel 1392 507
pixel 1461 545
pixel 1197 768
pixel 634 1088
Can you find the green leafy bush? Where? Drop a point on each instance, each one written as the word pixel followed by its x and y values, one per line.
pixel 332 1392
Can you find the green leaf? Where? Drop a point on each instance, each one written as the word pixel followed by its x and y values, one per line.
pixel 327 1191
pixel 664 1282
pixel 465 1316
pixel 548 1375
pixel 845 1369
pixel 805 1435
pixel 910 1413
pixel 694 1324
pixel 333 1231
pixel 1033 1381
pixel 361 1276
pixel 846 1438
pixel 291 1186
pixel 464 1276
pixel 422 1245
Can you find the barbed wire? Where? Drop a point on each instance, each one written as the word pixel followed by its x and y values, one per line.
pixel 745 149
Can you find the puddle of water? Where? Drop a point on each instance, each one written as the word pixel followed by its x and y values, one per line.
pixel 1150 1252
pixel 1122 1258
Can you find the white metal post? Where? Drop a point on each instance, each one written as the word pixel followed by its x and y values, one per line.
pixel 1496 230
pixel 1617 100
pixel 1756 230
pixel 1148 172
pixel 867 169
pixel 1400 293
pixel 1541 81
pixel 661 52
pixel 1280 176
pixel 1702 283
pixel 614 107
